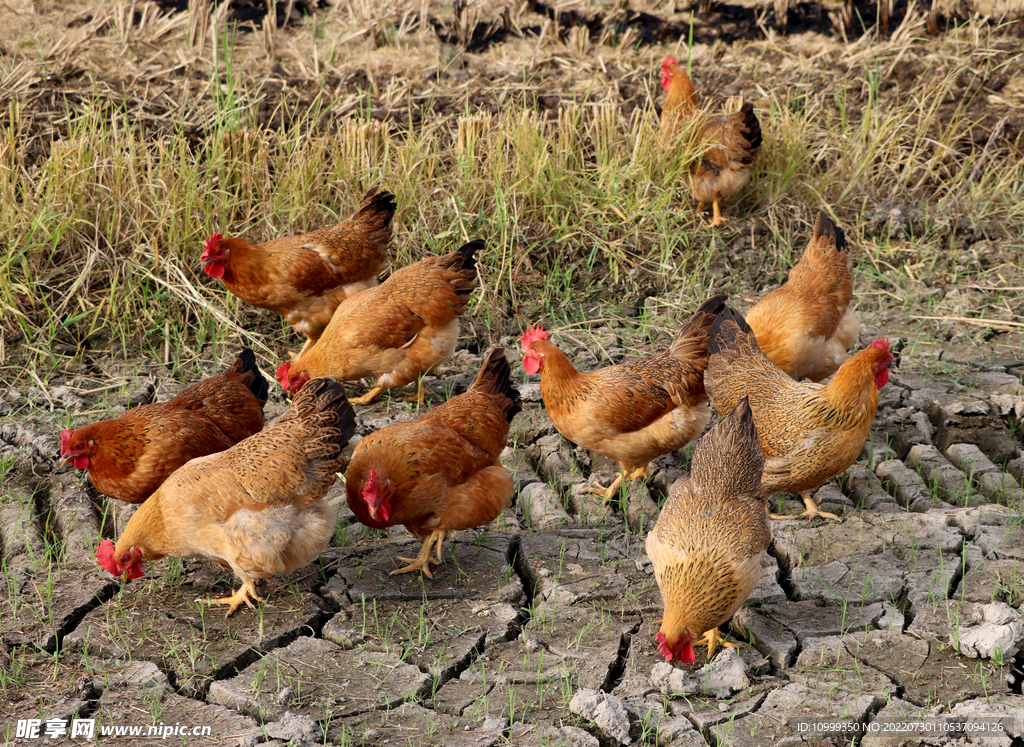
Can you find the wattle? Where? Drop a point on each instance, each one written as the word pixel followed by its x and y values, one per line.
pixel 531 365
pixel 215 270
pixel 686 654
pixel 882 378
pixel 80 462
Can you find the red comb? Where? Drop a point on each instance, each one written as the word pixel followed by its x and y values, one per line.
pixel 532 334
pixel 663 648
pixel 214 238
pixel 282 375
pixel 105 557
pixel 65 441
pixel 882 344
pixel 670 60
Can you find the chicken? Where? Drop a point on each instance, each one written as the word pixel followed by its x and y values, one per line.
pixel 808 432
pixel 255 508
pixel 732 140
pixel 633 412
pixel 710 538
pixel 395 332
pixel 806 326
pixel 130 456
pixel 439 472
pixel 304 278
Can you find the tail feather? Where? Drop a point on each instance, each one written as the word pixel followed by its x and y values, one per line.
pixel 753 125
pixel 728 326
pixel 495 377
pixel 825 229
pixel 325 396
pixel 258 385
pixel 729 457
pixel 464 259
pixel 376 210
pixel 699 325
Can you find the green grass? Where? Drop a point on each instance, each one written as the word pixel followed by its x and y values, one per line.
pixel 104 225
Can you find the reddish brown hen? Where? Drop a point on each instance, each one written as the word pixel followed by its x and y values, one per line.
pixel 439 472
pixel 129 457
pixel 633 412
pixel 304 278
pixel 255 508
pixel 731 141
pixel 396 332
pixel 806 326
pixel 808 432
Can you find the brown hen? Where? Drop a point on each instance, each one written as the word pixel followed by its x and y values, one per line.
pixel 710 538
pixel 255 508
pixel 396 332
pixel 304 278
pixel 633 412
pixel 130 456
pixel 439 472
pixel 731 140
pixel 808 432
pixel 806 326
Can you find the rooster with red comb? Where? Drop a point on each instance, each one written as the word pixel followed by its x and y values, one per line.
pixel 633 412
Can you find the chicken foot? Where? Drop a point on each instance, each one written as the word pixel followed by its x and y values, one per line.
pixel 422 561
pixel 712 638
pixel 245 594
pixel 638 474
pixel 812 511
pixel 369 397
pixel 717 219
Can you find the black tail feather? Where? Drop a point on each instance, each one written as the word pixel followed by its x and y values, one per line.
pixel 824 227
pixel 496 376
pixel 753 125
pixel 468 262
pixel 331 396
pixel 377 204
pixel 258 385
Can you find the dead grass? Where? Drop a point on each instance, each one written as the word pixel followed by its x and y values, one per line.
pixel 129 136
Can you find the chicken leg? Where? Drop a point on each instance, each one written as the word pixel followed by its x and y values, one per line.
pixel 638 474
pixel 422 561
pixel 717 218
pixel 369 397
pixel 245 594
pixel 712 638
pixel 812 511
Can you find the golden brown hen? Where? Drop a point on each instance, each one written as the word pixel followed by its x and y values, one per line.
pixel 304 278
pixel 806 326
pixel 633 412
pixel 255 508
pixel 710 538
pixel 439 472
pixel 731 140
pixel 130 456
pixel 397 331
pixel 808 432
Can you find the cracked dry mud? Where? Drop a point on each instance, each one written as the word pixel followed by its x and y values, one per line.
pixel 539 629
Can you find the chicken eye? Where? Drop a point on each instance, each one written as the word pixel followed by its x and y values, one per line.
pixel 80 445
pixel 126 557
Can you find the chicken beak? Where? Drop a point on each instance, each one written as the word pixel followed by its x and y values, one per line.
pixel 373 512
pixel 124 576
pixel 65 460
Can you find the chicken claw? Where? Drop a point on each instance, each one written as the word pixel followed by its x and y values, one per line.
pixel 422 561
pixel 246 594
pixel 638 474
pixel 369 397
pixel 712 638
pixel 717 218
pixel 812 511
